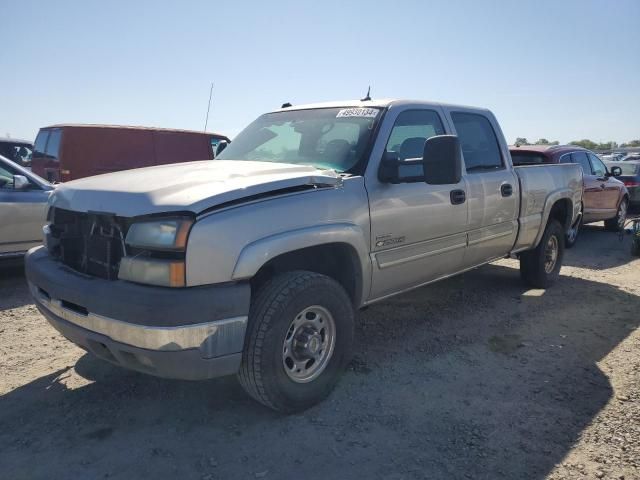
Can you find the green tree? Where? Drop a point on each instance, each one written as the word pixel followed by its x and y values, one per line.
pixel 633 143
pixel 585 143
pixel 544 141
pixel 521 141
pixel 607 146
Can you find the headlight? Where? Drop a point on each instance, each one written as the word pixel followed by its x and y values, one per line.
pixel 152 271
pixel 167 269
pixel 166 234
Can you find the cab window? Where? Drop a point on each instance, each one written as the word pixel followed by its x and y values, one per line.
pixel 480 147
pixel 408 136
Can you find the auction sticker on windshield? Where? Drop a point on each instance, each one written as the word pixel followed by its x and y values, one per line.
pixel 358 112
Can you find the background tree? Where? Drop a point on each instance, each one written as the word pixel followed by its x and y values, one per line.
pixel 521 141
pixel 634 143
pixel 585 143
pixel 544 141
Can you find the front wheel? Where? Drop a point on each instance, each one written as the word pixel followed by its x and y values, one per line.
pixel 299 341
pixel 616 224
pixel 571 237
pixel 540 267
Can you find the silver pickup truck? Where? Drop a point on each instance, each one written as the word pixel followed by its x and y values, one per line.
pixel 254 263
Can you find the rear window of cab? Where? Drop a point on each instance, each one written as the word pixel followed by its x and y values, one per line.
pixel 528 158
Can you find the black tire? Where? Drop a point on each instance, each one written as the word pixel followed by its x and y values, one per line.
pixel 275 305
pixel 616 224
pixel 571 237
pixel 533 263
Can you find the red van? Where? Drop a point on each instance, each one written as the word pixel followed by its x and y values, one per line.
pixel 67 152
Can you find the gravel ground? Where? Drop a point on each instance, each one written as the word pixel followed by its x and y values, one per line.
pixel 474 377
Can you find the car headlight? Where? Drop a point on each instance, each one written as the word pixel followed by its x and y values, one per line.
pixel 166 234
pixel 162 262
pixel 152 271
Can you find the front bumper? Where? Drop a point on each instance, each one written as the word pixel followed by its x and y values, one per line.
pixel 188 333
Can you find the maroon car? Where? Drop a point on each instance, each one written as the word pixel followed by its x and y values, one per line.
pixel 604 198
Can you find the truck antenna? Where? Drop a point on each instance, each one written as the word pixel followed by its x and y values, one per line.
pixel 368 96
pixel 206 121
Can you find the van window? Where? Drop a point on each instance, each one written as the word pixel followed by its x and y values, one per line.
pixel 53 145
pixel 478 140
pixel 41 143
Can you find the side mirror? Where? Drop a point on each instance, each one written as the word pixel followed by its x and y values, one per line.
pixel 221 146
pixel 442 160
pixel 616 171
pixel 20 182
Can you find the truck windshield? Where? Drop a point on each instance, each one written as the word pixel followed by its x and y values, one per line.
pixel 334 138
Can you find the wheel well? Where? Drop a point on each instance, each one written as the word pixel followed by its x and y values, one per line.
pixel 562 211
pixel 336 260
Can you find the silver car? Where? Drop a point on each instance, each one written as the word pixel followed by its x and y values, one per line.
pixel 23 201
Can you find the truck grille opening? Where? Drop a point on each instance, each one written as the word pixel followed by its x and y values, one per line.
pixel 90 243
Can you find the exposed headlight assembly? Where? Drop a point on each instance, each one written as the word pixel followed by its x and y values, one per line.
pixel 165 235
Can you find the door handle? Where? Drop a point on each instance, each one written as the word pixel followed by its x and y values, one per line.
pixel 506 190
pixel 457 197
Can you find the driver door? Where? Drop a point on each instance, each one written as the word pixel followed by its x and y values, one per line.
pixel 418 233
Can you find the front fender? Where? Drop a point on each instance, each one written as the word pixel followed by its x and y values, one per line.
pixel 254 255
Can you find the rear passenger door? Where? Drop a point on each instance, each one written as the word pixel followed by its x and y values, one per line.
pixel 591 198
pixel 492 187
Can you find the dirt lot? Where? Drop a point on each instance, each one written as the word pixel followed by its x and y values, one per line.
pixel 474 377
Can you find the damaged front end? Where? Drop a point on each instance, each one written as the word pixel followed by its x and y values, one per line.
pixel 92 243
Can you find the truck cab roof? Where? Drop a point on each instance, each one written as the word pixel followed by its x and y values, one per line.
pixel 377 103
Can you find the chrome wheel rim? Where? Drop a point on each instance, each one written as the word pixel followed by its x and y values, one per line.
pixel 308 344
pixel 622 214
pixel 572 234
pixel 551 254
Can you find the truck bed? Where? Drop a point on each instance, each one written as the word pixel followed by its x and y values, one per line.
pixel 541 186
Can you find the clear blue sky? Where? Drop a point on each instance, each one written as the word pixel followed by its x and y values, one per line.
pixel 559 69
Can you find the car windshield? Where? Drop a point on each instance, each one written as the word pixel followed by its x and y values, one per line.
pixel 333 138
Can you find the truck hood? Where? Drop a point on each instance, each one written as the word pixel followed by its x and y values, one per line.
pixel 191 186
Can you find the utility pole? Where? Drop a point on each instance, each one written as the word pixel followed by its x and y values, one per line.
pixel 206 121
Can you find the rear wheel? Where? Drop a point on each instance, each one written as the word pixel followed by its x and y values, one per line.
pixel 540 267
pixel 616 223
pixel 298 342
